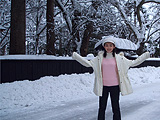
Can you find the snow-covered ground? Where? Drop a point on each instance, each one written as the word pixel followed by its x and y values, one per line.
pixel 71 97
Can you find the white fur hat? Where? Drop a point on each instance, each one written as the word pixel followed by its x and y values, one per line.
pixel 108 39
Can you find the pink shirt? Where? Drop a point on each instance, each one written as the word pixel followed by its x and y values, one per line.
pixel 109 72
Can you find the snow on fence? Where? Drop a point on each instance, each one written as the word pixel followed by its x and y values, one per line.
pixel 32 68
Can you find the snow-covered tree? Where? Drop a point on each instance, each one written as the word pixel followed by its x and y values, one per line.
pixel 87 22
pixel 5 8
pixel 78 24
pixel 136 21
pixel 35 26
pixel 153 29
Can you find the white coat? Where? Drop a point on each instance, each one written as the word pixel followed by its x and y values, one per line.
pixel 123 64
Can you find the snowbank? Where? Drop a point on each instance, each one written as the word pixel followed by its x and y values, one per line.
pixel 144 75
pixel 52 90
pixel 45 90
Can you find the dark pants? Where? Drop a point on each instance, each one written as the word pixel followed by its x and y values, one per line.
pixel 114 95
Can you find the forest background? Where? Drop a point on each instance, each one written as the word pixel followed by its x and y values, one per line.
pixel 59 27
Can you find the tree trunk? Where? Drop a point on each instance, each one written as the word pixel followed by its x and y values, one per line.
pixel 140 49
pixel 18 27
pixel 85 40
pixel 50 28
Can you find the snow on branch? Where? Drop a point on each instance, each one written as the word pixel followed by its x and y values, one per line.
pixel 124 16
pixel 154 1
pixel 65 14
pixel 139 5
pixel 155 31
pixel 138 2
pixel 151 24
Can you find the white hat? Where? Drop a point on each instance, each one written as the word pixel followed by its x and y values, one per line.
pixel 108 39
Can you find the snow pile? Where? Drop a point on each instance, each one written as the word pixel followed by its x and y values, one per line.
pixel 45 90
pixel 53 90
pixel 145 82
pixel 143 75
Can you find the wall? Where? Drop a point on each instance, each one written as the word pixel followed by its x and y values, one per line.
pixel 16 70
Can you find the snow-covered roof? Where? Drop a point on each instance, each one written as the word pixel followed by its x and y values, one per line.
pixel 33 57
pixel 49 57
pixel 120 43
pixel 40 57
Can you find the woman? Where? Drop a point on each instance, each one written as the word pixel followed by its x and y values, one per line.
pixel 111 77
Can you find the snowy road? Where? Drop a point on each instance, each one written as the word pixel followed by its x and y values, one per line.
pixel 143 104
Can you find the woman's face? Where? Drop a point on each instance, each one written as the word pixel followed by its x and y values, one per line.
pixel 109 47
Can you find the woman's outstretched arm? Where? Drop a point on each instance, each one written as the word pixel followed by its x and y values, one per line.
pixel 140 59
pixel 81 60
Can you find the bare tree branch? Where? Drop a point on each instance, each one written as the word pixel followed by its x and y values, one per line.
pixel 154 1
pixel 65 14
pixel 148 36
pixel 4 37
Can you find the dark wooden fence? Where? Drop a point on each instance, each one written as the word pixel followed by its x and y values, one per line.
pixel 16 70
